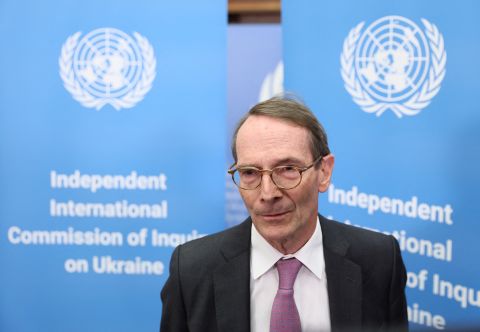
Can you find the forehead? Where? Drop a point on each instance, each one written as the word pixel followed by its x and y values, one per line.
pixel 264 141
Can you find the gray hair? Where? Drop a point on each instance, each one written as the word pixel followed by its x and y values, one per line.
pixel 291 110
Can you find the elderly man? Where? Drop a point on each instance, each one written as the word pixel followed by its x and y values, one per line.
pixel 286 268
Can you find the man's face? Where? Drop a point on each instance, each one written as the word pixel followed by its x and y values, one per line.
pixel 285 218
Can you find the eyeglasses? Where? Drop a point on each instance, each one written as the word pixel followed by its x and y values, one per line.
pixel 284 177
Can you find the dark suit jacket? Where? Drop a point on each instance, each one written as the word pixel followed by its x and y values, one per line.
pixel 209 284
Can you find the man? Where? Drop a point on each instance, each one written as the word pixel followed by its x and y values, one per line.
pixel 286 268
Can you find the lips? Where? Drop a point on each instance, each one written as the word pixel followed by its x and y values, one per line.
pixel 274 215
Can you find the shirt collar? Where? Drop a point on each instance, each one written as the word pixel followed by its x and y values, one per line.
pixel 264 256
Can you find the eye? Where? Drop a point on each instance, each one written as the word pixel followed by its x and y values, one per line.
pixel 287 171
pixel 287 168
pixel 248 172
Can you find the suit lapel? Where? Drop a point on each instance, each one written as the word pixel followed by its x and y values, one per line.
pixel 344 279
pixel 232 282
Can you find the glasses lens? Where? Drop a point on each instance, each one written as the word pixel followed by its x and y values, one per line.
pixel 247 178
pixel 286 177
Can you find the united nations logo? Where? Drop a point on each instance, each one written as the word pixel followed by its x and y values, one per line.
pixel 393 65
pixel 107 66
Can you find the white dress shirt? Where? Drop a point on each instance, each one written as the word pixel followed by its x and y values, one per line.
pixel 310 288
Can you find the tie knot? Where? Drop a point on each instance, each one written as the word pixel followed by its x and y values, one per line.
pixel 287 272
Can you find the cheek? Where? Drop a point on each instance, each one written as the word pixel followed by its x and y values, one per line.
pixel 307 200
pixel 248 198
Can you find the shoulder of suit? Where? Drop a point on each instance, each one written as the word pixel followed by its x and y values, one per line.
pixel 229 241
pixel 360 241
pixel 351 230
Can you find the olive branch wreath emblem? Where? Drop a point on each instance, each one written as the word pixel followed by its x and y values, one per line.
pixel 419 100
pixel 130 99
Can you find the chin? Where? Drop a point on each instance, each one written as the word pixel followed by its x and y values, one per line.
pixel 274 232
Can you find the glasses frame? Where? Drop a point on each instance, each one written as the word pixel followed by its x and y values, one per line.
pixel 301 170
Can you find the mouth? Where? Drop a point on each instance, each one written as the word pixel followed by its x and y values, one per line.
pixel 274 216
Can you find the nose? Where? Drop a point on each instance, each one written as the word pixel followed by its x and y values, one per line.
pixel 268 189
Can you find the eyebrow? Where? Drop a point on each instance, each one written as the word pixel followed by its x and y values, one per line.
pixel 280 162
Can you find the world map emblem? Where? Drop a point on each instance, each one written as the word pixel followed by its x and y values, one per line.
pixel 107 66
pixel 393 65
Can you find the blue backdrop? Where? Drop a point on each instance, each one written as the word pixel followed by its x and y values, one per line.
pixel 112 148
pixel 395 84
pixel 255 71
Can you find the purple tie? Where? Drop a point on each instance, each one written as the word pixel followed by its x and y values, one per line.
pixel 284 311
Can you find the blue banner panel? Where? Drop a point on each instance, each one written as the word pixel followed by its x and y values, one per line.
pixel 112 127
pixel 396 86
pixel 255 73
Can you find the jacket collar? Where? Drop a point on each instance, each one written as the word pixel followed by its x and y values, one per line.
pixel 344 278
pixel 232 281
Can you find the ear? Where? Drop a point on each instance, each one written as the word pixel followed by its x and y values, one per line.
pixel 326 169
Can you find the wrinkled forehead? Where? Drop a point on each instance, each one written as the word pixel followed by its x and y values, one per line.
pixel 263 139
